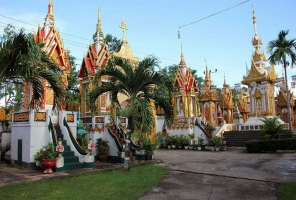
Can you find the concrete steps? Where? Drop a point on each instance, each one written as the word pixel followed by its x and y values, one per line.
pixel 239 138
pixel 71 161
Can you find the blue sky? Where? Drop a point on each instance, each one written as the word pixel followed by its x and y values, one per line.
pixel 224 40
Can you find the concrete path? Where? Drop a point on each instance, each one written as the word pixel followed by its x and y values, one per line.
pixel 231 174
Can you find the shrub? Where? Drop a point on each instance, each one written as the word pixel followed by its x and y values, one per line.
pixel 102 146
pixel 148 146
pixel 217 141
pixel 270 145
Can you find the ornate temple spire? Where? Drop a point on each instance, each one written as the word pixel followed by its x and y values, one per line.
pixel 254 20
pixel 99 38
pixel 224 80
pixel 124 28
pixel 49 19
pixel 207 77
pixel 182 62
pixel 50 14
pixel 258 55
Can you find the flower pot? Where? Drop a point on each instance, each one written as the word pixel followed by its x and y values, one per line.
pixel 103 157
pixel 190 147
pixel 186 147
pixel 199 148
pixel 180 147
pixel 173 146
pixel 48 164
pixel 169 146
pixel 223 148
pixel 149 157
pixel 217 148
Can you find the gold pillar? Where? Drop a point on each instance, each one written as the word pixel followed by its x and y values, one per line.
pixel 211 113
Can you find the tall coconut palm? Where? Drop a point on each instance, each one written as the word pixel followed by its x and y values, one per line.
pixel 22 60
pixel 281 51
pixel 139 84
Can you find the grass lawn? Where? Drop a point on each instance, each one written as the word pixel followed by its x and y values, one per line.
pixel 109 184
pixel 287 191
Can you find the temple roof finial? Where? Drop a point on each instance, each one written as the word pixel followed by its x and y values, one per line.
pixel 99 31
pixel 50 8
pixel 182 62
pixel 207 77
pixel 254 20
pixel 224 79
pixel 49 19
pixel 124 28
pixel 182 55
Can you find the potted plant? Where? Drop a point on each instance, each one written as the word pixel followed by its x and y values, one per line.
pixel 191 137
pixel 186 143
pixel 223 147
pixel 38 157
pixel 102 149
pixel 217 142
pixel 179 142
pixel 48 157
pixel 159 139
pixel 174 141
pixel 200 142
pixel 149 148
pixel 169 141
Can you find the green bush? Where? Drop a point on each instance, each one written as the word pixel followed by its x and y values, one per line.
pixel 270 145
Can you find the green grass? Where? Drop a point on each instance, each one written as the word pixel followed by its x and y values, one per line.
pixel 287 191
pixel 110 184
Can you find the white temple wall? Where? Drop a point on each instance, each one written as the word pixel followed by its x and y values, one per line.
pixel 159 123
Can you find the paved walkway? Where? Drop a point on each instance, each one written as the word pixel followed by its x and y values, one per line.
pixel 231 174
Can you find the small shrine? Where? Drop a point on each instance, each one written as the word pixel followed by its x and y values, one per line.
pixel 260 80
pixel 226 103
pixel 95 60
pixel 282 103
pixel 184 99
pixel 209 99
pixel 242 104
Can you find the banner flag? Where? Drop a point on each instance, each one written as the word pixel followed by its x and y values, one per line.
pixel 294 78
pixel 237 85
pixel 293 84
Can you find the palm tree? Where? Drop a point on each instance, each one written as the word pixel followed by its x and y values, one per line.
pixel 280 50
pixel 139 84
pixel 22 60
pixel 271 127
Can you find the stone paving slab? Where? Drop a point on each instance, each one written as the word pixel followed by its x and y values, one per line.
pixel 234 162
pixel 180 185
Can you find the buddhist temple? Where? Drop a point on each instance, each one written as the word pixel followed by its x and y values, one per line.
pixel 95 60
pixel 185 98
pixel 226 103
pixel 260 80
pixel 53 46
pixel 209 99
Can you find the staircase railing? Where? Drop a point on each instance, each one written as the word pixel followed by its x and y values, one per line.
pixel 118 143
pixel 52 130
pixel 132 143
pixel 74 141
